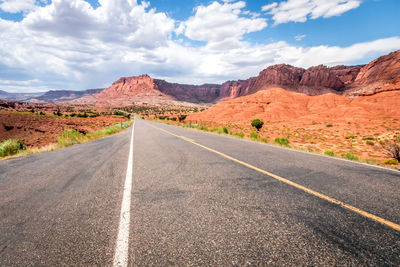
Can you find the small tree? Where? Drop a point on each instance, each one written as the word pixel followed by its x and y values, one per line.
pixel 257 123
pixel 182 117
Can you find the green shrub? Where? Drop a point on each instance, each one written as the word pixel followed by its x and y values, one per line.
pixel 254 135
pixel 225 130
pixel 84 115
pixel 351 156
pixel 11 147
pixel 370 143
pixel 282 141
pixel 257 123
pixel 371 138
pixel 70 137
pixel 350 136
pixel 329 153
pixel 203 128
pixel 391 162
pixel 182 117
pixel 329 125
pixel 265 140
pixel 239 134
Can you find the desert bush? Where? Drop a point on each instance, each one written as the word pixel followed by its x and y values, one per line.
pixel 70 137
pixel 239 134
pixel 265 140
pixel 370 143
pixel 350 136
pixel 371 138
pixel 254 135
pixel 391 162
pixel 42 113
pixel 282 141
pixel 225 130
pixel 84 115
pixel 11 147
pixel 257 123
pixel 329 153
pixel 94 115
pixel 392 147
pixel 329 125
pixel 182 117
pixel 351 156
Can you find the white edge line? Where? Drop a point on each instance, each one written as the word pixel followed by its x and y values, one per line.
pixel 122 244
pixel 284 148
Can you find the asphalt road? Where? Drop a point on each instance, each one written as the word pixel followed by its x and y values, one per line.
pixel 192 206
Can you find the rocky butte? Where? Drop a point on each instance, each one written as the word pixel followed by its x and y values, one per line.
pixel 382 74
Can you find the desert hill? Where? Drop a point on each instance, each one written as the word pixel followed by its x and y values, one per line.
pixel 277 104
pixel 382 74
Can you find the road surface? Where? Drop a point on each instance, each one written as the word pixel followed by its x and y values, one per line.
pixel 195 199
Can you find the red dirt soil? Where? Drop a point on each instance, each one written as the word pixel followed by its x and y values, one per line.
pixel 314 123
pixel 36 130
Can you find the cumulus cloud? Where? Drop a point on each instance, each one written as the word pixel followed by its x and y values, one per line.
pixel 221 25
pixel 70 45
pixel 302 10
pixel 16 6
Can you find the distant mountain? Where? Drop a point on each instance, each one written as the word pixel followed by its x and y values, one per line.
pixel 18 96
pixel 49 96
pixel 64 95
pixel 382 74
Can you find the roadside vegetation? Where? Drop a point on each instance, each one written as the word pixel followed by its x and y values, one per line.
pixel 69 137
pixel 11 147
pixel 164 113
pixel 258 131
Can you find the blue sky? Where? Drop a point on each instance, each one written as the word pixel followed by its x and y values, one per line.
pixel 77 44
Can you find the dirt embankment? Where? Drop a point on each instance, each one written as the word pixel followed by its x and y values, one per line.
pixel 315 123
pixel 38 130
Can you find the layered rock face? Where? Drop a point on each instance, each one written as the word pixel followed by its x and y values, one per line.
pixel 382 74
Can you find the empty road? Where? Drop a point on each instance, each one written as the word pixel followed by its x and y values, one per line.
pixel 194 198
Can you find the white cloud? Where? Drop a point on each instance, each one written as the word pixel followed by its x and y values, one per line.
pixel 300 37
pixel 301 10
pixel 15 6
pixel 221 25
pixel 70 45
pixel 269 6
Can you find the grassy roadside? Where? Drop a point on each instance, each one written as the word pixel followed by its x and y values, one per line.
pixel 13 148
pixel 283 142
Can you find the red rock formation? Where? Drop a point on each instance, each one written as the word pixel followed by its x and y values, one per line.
pixel 382 74
pixel 283 75
pixel 347 74
pixel 278 104
pixel 206 93
pixel 319 78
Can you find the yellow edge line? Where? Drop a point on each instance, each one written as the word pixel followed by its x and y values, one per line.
pixel 286 181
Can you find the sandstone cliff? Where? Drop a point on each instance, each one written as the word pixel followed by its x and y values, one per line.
pixel 382 74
